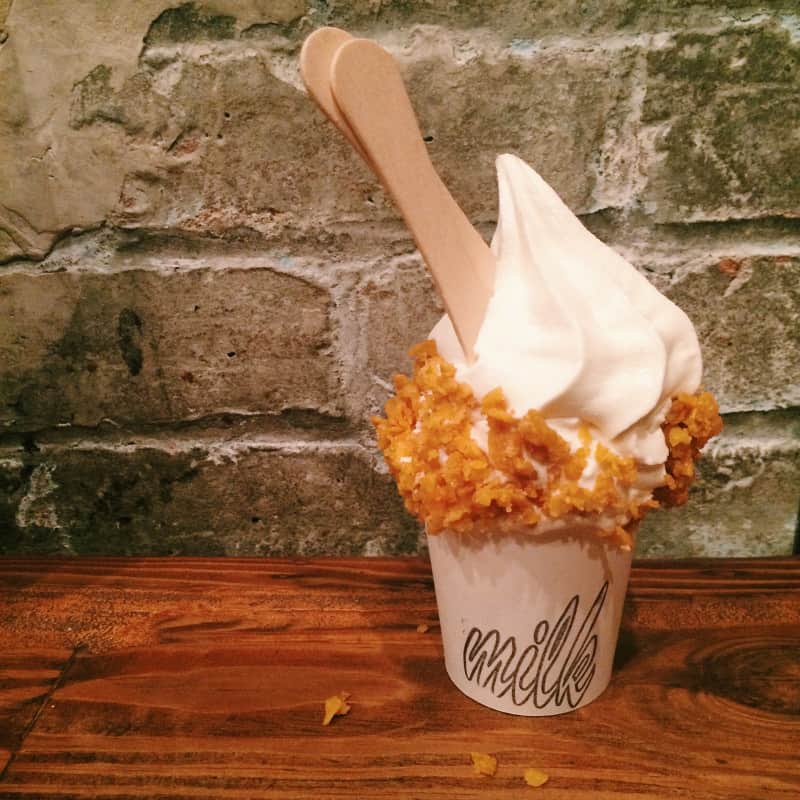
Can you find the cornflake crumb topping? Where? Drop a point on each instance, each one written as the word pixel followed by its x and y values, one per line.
pixel 336 706
pixel 449 482
pixel 535 777
pixel 483 764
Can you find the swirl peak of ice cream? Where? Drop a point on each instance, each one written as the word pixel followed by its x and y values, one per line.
pixel 573 330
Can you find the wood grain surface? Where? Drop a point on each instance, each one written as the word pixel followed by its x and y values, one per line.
pixel 204 678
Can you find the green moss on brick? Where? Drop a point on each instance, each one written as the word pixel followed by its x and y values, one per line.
pixel 189 23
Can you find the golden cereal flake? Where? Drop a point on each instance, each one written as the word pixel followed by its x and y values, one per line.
pixel 535 777
pixel 336 706
pixel 691 421
pixel 448 481
pixel 483 764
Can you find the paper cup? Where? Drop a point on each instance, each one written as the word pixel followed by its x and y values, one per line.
pixel 529 622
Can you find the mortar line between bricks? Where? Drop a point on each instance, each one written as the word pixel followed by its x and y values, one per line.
pixel 57 684
pixel 405 42
pixel 777 232
pixel 218 447
pixel 202 437
pixel 205 430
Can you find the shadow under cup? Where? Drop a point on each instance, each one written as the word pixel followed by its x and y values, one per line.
pixel 529 622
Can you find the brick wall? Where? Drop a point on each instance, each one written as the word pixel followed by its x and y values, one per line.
pixel 204 294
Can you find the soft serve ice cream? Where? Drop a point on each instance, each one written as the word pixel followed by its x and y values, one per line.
pixel 579 408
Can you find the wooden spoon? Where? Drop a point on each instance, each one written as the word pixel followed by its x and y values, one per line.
pixel 369 91
pixel 316 57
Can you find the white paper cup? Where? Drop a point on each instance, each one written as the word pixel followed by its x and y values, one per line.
pixel 529 622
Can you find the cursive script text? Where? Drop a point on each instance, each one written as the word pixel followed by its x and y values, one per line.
pixel 557 666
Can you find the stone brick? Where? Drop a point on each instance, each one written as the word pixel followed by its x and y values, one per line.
pixel 725 107
pixel 229 164
pixel 80 121
pixel 746 499
pixel 553 108
pixel 223 19
pixel 144 346
pixel 397 308
pixel 139 150
pixel 188 22
pixel 53 180
pixel 747 315
pixel 523 18
pixel 235 500
pixel 256 156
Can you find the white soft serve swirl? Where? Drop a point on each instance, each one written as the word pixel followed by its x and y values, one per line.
pixel 573 330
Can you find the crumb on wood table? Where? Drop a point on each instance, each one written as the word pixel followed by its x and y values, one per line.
pixel 483 763
pixel 336 706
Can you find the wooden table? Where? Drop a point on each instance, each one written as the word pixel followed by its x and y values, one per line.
pixel 205 678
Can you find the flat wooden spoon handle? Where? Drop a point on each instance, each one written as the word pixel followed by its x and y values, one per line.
pixel 316 57
pixel 369 91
